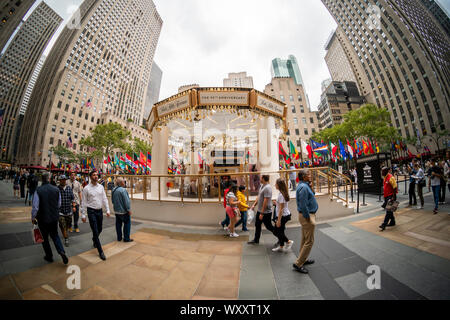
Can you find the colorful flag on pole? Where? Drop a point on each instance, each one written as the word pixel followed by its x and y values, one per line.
pixel 293 151
pixel 365 148
pixel 283 153
pixel 342 150
pixel 88 103
pixel 351 151
pixel 306 149
pixel 69 142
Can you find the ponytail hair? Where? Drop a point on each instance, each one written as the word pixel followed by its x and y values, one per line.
pixel 283 189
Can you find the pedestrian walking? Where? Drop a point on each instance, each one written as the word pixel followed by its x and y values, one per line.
pixel 420 183
pixel 22 182
pixel 32 184
pixel 283 216
pixel 16 185
pixel 67 208
pixel 77 189
pixel 264 213
pixel 243 208
pixel 412 185
pixel 390 190
pixel 93 202
pixel 45 213
pixel 307 208
pixel 232 209
pixel 435 184
pixel 443 183
pixel 122 210
pixel 293 177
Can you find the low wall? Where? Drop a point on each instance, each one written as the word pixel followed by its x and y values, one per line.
pixel 210 214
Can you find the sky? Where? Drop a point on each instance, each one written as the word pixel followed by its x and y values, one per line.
pixel 202 41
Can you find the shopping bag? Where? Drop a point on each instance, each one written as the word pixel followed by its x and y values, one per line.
pixel 250 216
pixel 37 235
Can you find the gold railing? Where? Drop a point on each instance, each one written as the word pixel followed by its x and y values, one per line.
pixel 207 188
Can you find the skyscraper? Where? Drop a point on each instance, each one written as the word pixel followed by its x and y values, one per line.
pixel 16 69
pixel 287 69
pixel 439 13
pixel 403 51
pixel 338 99
pixel 302 122
pixel 154 87
pixel 102 65
pixel 12 13
pixel 238 80
pixel 337 61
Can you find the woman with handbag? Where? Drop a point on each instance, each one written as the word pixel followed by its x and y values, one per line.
pixel 283 216
pixel 420 182
pixel 390 191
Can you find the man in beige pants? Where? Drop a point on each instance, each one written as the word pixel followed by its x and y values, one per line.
pixel 307 207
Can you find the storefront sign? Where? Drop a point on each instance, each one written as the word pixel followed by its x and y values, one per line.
pixel 224 98
pixel 174 106
pixel 269 105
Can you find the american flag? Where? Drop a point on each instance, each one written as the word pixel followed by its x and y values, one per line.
pixel 69 142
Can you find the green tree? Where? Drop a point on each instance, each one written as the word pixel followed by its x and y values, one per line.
pixel 369 122
pixel 138 146
pixel 65 155
pixel 438 135
pixel 105 138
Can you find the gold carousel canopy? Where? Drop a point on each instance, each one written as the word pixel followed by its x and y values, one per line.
pixel 194 104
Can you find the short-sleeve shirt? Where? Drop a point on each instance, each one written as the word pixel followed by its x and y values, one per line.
pixel 286 211
pixel 76 188
pixel 436 181
pixel 265 192
pixel 231 196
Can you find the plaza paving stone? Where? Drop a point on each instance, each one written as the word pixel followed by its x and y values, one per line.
pixel 203 264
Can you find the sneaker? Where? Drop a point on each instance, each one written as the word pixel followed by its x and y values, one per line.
pixel 278 249
pixel 289 245
pixel 70 230
pixel 64 258
pixel 234 235
pixel 77 230
pixel 418 207
pixel 435 211
pixel 66 242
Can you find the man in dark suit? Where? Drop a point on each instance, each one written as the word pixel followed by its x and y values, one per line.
pixel 45 214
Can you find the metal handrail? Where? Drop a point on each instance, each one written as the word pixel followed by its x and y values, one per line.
pixel 324 172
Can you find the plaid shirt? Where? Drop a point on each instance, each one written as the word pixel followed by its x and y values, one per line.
pixel 67 200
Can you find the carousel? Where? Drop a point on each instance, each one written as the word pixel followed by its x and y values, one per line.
pixel 208 133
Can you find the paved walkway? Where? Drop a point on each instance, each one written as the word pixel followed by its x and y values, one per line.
pixel 167 262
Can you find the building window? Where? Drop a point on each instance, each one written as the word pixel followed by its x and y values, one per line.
pixel 304 120
pixel 74 110
pixel 293 109
pixel 69 133
pixel 282 98
pixel 63 92
pixel 297 132
pixel 291 98
pixel 63 119
pixel 306 131
pixel 295 121
pixel 300 98
pixel 311 120
pixel 66 108
pixel 59 104
pixel 56 116
pixel 52 140
pixel 61 131
pixel 53 128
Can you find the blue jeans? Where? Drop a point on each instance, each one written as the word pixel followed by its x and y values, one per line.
pixel 436 193
pixel 125 220
pixel 243 221
pixel 96 223
pixel 226 222
pixel 50 229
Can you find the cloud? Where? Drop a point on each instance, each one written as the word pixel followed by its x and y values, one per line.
pixel 202 41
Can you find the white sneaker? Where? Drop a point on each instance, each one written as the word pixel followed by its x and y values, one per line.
pixel 234 235
pixel 277 249
pixel 289 245
pixel 419 207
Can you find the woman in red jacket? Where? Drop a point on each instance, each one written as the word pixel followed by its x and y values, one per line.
pixel 390 190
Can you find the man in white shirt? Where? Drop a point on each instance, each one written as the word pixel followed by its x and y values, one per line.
pixel 94 201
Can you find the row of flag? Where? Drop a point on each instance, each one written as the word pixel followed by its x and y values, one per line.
pixel 138 164
pixel 342 151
